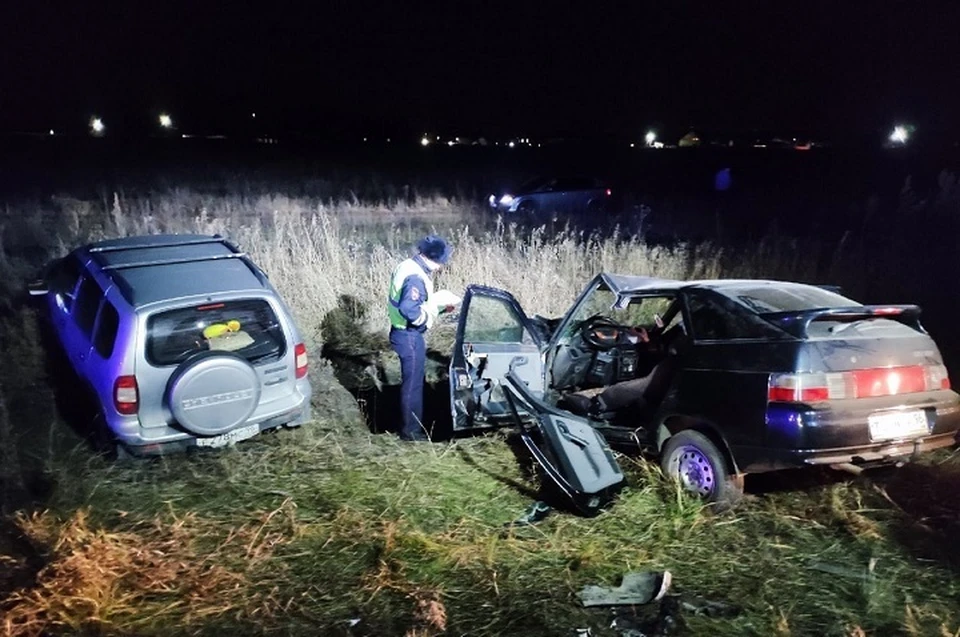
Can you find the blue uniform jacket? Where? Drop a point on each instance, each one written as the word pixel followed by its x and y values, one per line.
pixel 412 296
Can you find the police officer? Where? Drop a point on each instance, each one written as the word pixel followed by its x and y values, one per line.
pixel 411 314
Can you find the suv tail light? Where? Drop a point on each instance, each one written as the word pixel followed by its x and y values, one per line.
pixel 300 351
pixel 858 383
pixel 126 395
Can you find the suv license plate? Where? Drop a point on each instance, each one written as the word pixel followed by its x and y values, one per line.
pixel 901 424
pixel 231 436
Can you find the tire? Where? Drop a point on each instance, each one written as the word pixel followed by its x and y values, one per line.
pixel 213 392
pixel 692 459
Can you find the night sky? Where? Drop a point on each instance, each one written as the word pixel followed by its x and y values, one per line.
pixel 825 68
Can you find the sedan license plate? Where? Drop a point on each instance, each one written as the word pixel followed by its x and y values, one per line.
pixel 230 437
pixel 901 424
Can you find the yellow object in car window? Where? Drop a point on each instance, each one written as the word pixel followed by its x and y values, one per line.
pixel 219 329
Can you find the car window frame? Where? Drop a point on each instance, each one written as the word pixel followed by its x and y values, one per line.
pixel 527 336
pixel 64 297
pixel 98 326
pixel 86 330
pixel 774 332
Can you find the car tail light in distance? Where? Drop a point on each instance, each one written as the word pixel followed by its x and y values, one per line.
pixel 857 383
pixel 609 192
pixel 300 351
pixel 126 395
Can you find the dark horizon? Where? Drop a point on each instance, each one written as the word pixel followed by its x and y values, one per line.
pixel 818 70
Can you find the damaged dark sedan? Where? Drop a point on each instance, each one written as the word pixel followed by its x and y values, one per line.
pixel 718 378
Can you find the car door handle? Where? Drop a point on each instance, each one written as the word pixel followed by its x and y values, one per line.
pixel 566 433
pixel 82 356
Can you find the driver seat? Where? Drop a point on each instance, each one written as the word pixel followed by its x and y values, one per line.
pixel 588 406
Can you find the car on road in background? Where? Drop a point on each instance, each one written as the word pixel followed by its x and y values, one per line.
pixel 175 341
pixel 554 194
pixel 719 378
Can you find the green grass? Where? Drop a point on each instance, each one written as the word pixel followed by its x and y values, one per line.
pixel 329 523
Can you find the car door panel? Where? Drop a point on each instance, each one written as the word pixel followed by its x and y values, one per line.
pixel 572 453
pixel 493 334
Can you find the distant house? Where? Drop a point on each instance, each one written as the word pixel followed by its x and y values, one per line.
pixel 690 140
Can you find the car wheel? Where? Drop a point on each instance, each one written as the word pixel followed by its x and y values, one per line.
pixel 211 393
pixel 690 458
pixel 527 207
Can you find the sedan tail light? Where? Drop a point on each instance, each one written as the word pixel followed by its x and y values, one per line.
pixel 858 383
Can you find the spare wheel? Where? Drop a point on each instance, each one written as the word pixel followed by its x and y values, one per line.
pixel 210 393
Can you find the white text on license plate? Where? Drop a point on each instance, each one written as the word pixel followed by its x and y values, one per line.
pixel 231 436
pixel 900 424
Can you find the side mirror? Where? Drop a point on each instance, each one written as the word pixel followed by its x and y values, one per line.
pixel 38 288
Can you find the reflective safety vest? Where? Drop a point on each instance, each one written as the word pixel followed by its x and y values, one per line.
pixel 406 268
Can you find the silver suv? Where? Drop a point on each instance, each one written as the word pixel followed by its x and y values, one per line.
pixel 180 340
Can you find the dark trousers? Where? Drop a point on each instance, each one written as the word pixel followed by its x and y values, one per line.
pixel 410 347
pixel 649 390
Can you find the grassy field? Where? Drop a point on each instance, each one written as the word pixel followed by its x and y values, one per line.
pixel 334 530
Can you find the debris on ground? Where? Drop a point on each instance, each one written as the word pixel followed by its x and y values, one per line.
pixel 534 513
pixel 708 608
pixel 640 587
pixel 667 621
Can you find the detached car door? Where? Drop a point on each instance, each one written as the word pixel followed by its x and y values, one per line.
pixel 493 334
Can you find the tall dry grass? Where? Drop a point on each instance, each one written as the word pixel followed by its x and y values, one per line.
pixel 315 251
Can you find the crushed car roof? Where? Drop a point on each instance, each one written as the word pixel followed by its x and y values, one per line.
pixel 629 284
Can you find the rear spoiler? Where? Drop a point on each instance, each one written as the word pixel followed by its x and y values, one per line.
pixel 797 323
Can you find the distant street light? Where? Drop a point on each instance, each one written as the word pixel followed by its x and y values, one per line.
pixel 96 126
pixel 253 115
pixel 650 138
pixel 425 141
pixel 900 135
pixel 511 144
pixel 51 131
pixel 166 121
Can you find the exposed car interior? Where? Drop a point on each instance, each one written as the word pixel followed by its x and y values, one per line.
pixel 618 343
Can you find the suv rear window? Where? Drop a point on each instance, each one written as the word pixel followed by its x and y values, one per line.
pixel 248 328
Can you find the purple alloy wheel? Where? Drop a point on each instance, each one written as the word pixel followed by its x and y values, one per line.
pixel 694 470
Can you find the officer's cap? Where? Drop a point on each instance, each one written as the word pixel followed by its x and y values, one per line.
pixel 435 249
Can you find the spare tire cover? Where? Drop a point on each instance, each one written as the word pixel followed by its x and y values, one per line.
pixel 213 392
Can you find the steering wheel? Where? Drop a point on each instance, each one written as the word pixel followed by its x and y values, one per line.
pixel 601 332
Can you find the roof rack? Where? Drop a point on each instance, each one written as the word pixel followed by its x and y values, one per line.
pixel 152 262
pixel 140 246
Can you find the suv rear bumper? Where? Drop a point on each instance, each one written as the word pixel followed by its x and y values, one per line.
pixel 146 441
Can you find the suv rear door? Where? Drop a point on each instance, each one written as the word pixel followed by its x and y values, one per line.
pixel 249 327
pixel 492 332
